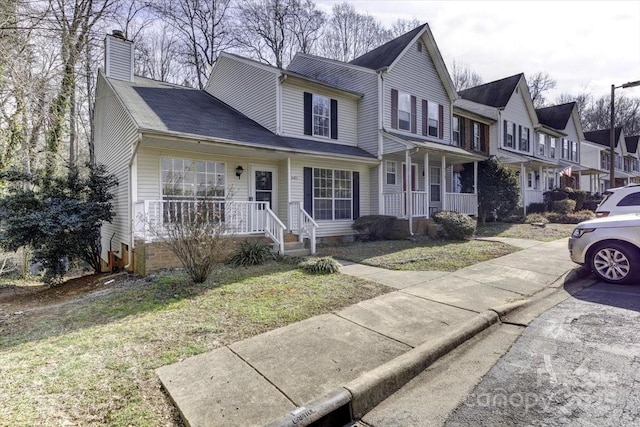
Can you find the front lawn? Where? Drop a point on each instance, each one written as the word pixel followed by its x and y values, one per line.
pixel 90 360
pixel 419 256
pixel 525 231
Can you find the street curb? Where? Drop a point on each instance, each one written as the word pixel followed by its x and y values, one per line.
pixel 370 388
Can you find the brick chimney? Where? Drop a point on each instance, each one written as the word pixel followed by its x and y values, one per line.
pixel 118 56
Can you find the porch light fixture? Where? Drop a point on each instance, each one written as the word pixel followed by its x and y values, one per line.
pixel 612 131
pixel 239 171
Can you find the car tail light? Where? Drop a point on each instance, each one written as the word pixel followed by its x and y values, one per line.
pixel 602 214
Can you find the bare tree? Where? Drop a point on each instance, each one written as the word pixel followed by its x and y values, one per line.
pixel 350 34
pixel 597 114
pixel 402 26
pixel 539 84
pixel 307 24
pixel 463 76
pixel 157 55
pixel 203 29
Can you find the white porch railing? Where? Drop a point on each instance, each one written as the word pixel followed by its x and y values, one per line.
pixel 533 196
pixel 300 222
pixel 466 203
pixel 239 217
pixel 395 204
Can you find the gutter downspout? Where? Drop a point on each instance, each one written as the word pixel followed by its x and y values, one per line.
pixel 131 207
pixel 381 207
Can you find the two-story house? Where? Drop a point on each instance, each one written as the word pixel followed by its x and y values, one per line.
pixel 405 115
pixel 601 138
pixel 305 150
pixel 558 139
pixel 632 159
pixel 513 138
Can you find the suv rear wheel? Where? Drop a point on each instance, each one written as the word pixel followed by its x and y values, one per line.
pixel 615 262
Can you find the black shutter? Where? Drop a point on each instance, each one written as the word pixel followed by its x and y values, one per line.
pixel 483 141
pixel 308 116
pixel 440 121
pixel 308 191
pixel 356 195
pixel 425 112
pixel 394 109
pixel 517 145
pixel 414 125
pixel 504 135
pixel 463 132
pixel 334 119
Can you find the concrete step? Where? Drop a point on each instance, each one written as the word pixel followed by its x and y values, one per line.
pixel 298 252
pixel 289 246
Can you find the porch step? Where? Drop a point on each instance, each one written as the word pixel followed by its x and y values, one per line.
pixel 294 249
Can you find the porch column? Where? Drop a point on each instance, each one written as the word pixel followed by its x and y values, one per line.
pixel 426 182
pixel 523 187
pixel 475 184
pixel 443 182
pixel 407 159
pixel 579 179
pixel 540 178
pixel 381 172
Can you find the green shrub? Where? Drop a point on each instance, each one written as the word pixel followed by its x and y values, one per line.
pixel 570 218
pixel 456 226
pixel 324 265
pixel 536 208
pixel 579 196
pixel 564 206
pixel 536 218
pixel 251 253
pixel 373 227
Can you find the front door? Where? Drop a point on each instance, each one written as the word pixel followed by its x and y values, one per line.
pixel 414 185
pixel 263 185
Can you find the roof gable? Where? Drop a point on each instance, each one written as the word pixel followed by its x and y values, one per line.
pixel 383 56
pixel 601 137
pixel 556 116
pixel 495 94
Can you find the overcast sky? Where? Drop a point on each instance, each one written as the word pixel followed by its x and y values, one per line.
pixel 590 44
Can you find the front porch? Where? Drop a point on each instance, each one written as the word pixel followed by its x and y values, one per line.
pixel 395 204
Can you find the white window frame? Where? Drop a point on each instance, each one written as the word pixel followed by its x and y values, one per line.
pixel 456 131
pixel 435 180
pixel 476 138
pixel 195 177
pixel 525 139
pixel 542 145
pixel 333 193
pixel 552 147
pixel 433 117
pixel 391 171
pixel 404 100
pixel 511 132
pixel 321 116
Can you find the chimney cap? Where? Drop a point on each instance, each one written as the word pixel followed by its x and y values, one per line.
pixel 118 33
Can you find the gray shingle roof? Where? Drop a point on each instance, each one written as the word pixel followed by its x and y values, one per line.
pixel 495 94
pixel 163 107
pixel 383 56
pixel 632 143
pixel 601 137
pixel 556 116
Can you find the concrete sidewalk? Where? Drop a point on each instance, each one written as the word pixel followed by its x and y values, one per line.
pixel 355 357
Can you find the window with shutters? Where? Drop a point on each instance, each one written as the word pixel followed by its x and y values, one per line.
pixel 509 134
pixel 552 147
pixel 321 115
pixel 542 144
pixel 404 111
pixel 332 194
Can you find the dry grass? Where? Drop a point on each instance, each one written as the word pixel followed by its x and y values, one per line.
pixel 91 360
pixel 525 231
pixel 419 256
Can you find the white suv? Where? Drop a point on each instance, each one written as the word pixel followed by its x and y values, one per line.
pixel 620 200
pixel 609 246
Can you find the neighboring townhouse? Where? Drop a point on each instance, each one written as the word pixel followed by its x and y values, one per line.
pixel 172 147
pixel 632 159
pixel 594 158
pixel 560 127
pixel 602 139
pixel 406 115
pixel 305 150
pixel 513 135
